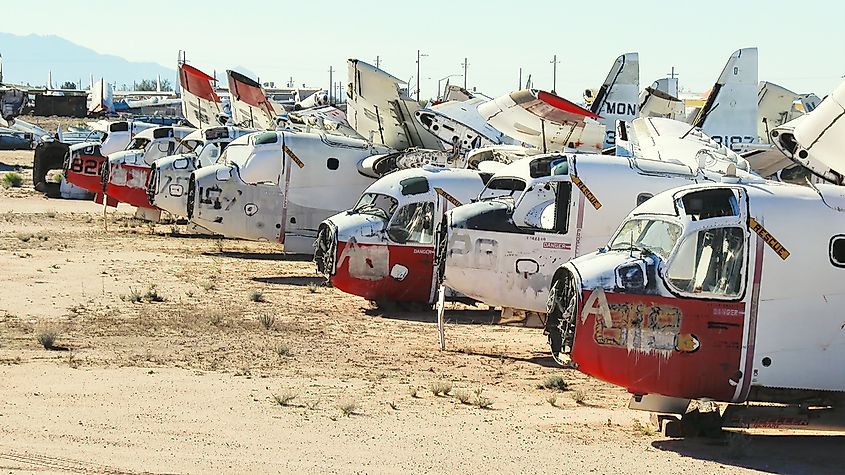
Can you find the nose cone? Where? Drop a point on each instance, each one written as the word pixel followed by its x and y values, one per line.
pixel 361 227
pixel 204 189
pixel 168 184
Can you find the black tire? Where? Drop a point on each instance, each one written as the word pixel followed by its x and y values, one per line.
pixel 48 156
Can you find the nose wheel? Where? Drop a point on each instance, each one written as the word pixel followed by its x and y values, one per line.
pixel 560 326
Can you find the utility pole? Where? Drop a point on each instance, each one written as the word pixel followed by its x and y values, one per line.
pixel 554 74
pixel 331 83
pixel 418 72
pixel 465 64
pixel 519 85
pixel 378 62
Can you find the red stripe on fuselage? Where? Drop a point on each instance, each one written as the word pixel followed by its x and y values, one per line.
pixel 84 171
pixel 365 270
pixel 684 348
pixel 128 183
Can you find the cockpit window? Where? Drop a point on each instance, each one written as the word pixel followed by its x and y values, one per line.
pixel 414 185
pixel 138 143
pixel 499 187
pixel 541 167
pixel 209 153
pixel 712 203
pixel 709 262
pixel 376 204
pixel 650 235
pixel 413 223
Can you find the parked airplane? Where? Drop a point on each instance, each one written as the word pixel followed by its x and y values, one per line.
pixel 695 297
pixel 382 249
pixel 538 213
pixel 278 186
pixel 82 163
pixel 461 123
pixel 167 187
pixel 125 173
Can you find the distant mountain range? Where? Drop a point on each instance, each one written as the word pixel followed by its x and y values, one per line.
pixel 29 59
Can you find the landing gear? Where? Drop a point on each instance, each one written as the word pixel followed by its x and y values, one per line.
pixel 562 306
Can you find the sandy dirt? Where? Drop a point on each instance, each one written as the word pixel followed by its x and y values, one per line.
pixel 193 383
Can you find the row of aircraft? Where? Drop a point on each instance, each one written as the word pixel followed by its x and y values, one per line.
pixel 665 250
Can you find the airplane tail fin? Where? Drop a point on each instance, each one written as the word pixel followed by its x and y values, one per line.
pixel 658 100
pixel 730 114
pixel 250 106
pixel 618 97
pixel 200 104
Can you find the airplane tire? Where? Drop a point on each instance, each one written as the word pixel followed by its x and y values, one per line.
pixel 48 156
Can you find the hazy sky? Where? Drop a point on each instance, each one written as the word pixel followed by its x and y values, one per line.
pixel 800 43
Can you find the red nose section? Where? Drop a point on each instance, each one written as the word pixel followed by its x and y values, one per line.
pixel 128 183
pixel 84 172
pixel 385 272
pixel 656 345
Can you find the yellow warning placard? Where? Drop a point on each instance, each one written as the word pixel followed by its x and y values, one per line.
pixel 449 198
pixel 587 193
pixel 294 157
pixel 768 238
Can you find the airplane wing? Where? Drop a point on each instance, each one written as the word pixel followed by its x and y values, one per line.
pixel 816 140
pixel 545 121
pixel 250 106
pixel 200 104
pixel 668 140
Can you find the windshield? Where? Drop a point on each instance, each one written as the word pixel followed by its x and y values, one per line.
pixel 376 204
pixel 138 144
pixel 650 235
pixel 502 187
pixel 209 154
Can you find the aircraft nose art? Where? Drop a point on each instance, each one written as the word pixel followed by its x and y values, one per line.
pixel 83 167
pixel 652 344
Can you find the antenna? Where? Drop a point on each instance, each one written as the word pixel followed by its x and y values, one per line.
pixel 554 62
pixel 331 83
pixel 465 64
pixel 378 62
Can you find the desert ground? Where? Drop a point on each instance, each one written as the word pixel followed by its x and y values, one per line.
pixel 174 353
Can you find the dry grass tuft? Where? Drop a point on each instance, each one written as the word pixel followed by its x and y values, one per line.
pixel 643 429
pixel 312 287
pixel 440 388
pixel 552 399
pixel 348 406
pixel 47 338
pixel 463 396
pixel 556 383
pixel 481 401
pixel 12 180
pixel 282 350
pixel 284 398
pixel 256 296
pixel 579 395
pixel 268 321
